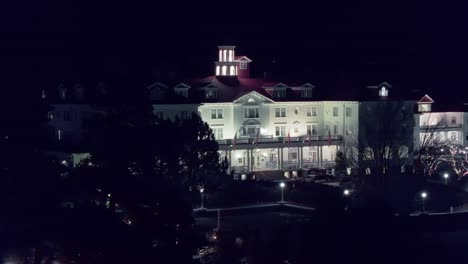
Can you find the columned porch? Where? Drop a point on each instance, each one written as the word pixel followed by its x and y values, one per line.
pixel 280 153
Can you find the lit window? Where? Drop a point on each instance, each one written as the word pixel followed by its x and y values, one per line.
pixel 280 112
pixel 383 91
pixel 220 55
pixel 59 134
pixel 348 111
pixel 224 56
pixel 218 69
pixel 218 133
pixel 280 131
pixel 216 113
pixel 224 70
pixel 232 70
pixel 251 113
pixel 335 111
pixel 243 65
pixel 230 56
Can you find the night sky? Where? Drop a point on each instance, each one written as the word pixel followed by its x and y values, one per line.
pixel 328 43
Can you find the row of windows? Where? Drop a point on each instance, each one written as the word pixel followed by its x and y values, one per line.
pixel 65 115
pixel 280 131
pixel 251 112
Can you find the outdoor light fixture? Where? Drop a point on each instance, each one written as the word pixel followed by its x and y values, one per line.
pixel 201 198
pixel 446 176
pixel 346 192
pixel 282 185
pixel 423 198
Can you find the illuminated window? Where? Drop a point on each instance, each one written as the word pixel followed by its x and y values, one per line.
pixel 230 56
pixel 218 133
pixel 218 70
pixel 280 131
pixel 224 55
pixel 59 134
pixel 236 70
pixel 224 70
pixel 335 111
pixel 280 112
pixel 243 65
pixel 220 55
pixel 232 71
pixel 383 91
pixel 251 113
pixel 216 113
pixel 348 111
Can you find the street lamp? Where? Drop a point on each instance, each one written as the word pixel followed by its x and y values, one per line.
pixel 446 176
pixel 282 186
pixel 346 193
pixel 201 198
pixel 423 199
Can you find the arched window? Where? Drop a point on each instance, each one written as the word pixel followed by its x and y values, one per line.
pixel 403 152
pixel 232 70
pixel 224 70
pixel 230 56
pixel 217 70
pixel 387 153
pixel 368 154
pixel 220 55
pixel 224 55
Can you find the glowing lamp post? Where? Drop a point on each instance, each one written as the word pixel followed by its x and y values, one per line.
pixel 423 199
pixel 201 198
pixel 446 176
pixel 347 193
pixel 282 186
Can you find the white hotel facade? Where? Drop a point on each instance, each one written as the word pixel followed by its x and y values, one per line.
pixel 259 124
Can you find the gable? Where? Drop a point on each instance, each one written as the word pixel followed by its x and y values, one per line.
pixel 426 99
pixel 182 86
pixel 157 85
pixel 255 96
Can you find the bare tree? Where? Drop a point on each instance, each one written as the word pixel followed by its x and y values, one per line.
pixel 385 136
pixel 429 154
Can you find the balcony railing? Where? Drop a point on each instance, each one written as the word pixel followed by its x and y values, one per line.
pixel 271 139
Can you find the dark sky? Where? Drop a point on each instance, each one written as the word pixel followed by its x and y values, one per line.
pixel 327 42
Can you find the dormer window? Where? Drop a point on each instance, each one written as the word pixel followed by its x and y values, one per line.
pixel 243 65
pixel 306 93
pixel 383 92
pixel 212 93
pixel 280 93
pixel 183 92
pixel 424 107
